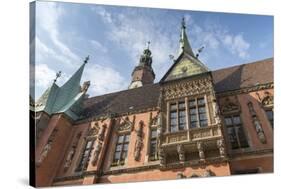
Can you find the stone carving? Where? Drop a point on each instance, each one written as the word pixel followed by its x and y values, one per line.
pixel 257 124
pixel 126 124
pixel 162 157
pixel 139 143
pixel 229 106
pixel 72 151
pixel 220 145
pixel 85 86
pixel 96 152
pixel 94 129
pixel 208 173
pixel 47 148
pixel 180 150
pixel 187 88
pixel 267 100
pixel 201 150
pixel 101 132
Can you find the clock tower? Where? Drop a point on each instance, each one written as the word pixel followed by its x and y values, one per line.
pixel 143 73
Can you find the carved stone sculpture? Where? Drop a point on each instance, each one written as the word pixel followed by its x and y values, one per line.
pixel 96 153
pixel 220 145
pixel 201 150
pixel 45 151
pixel 139 143
pixel 69 158
pixel 101 132
pixel 257 124
pixel 268 99
pixel 85 86
pixel 229 106
pixel 180 151
pixel 207 173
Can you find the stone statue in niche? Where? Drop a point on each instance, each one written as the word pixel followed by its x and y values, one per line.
pixel 96 153
pixel 69 158
pixel 139 143
pixel 93 130
pixel 45 151
pixel 259 130
pixel 257 123
pixel 162 157
pixel 201 150
pixel 220 145
pixel 85 86
pixel 180 151
pixel 71 153
pixel 101 132
pixel 47 147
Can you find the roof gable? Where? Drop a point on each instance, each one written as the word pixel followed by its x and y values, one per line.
pixel 184 66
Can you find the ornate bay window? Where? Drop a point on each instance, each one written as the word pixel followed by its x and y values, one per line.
pixel 121 149
pixel 269 114
pixel 192 111
pixel 235 131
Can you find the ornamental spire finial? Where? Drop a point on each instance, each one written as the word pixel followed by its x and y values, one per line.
pixel 183 23
pixel 58 74
pixel 86 59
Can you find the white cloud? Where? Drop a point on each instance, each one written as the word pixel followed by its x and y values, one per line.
pixel 237 45
pixel 98 46
pixel 44 76
pixel 48 16
pixel 104 80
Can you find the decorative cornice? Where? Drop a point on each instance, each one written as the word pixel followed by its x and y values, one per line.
pixel 252 152
pixel 246 89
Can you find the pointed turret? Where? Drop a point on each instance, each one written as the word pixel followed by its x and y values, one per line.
pixel 65 98
pixel 143 74
pixel 184 43
pixel 186 63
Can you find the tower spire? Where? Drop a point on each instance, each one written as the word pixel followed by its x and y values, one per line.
pixel 184 43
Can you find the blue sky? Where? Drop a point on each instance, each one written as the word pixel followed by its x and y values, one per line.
pixel 115 37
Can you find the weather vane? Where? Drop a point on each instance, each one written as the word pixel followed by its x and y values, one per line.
pixel 183 22
pixel 86 59
pixel 148 43
pixel 57 76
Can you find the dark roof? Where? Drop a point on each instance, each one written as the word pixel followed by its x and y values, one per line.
pixel 232 78
pixel 245 75
pixel 124 101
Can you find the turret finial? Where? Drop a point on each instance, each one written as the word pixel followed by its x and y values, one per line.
pixel 148 43
pixel 58 74
pixel 86 59
pixel 183 23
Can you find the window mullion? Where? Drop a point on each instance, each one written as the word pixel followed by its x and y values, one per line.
pixel 197 112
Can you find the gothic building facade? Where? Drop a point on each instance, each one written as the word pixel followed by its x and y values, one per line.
pixel 193 123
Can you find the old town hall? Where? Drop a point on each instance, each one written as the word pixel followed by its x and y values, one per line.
pixel 193 123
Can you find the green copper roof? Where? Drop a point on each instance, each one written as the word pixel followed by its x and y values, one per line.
pixel 64 99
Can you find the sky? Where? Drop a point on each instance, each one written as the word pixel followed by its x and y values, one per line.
pixel 114 37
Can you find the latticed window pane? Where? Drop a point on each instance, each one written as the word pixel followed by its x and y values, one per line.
pixel 181 105
pixel 152 147
pixel 85 155
pixel 192 111
pixel 202 116
pixel 203 123
pixel 236 133
pixel 153 133
pixel 127 138
pixel 232 138
pixel 117 155
pixel 236 120
pixel 193 118
pixel 173 106
pixel 118 148
pixel 191 103
pixel 193 124
pixel 120 138
pixel 201 101
pixel 228 121
pixel 242 138
pixel 202 110
pixel 174 128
